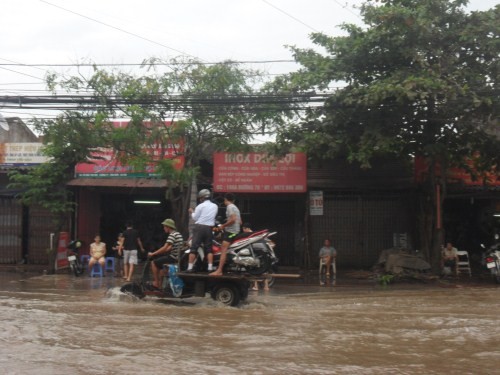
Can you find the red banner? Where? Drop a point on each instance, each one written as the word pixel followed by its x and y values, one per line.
pixel 456 175
pixel 62 252
pixel 257 173
pixel 105 163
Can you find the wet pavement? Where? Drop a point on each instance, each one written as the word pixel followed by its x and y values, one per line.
pixel 60 324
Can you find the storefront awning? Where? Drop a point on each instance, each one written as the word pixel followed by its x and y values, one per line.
pixel 120 182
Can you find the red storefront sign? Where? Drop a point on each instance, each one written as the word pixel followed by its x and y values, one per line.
pixel 62 252
pixel 257 173
pixel 105 163
pixel 457 175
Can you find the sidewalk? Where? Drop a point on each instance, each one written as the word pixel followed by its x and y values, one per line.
pixel 24 268
pixel 348 277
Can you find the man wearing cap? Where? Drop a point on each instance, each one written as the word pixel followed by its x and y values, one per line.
pixel 168 253
pixel 204 220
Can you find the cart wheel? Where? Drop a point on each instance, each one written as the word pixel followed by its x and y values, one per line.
pixel 133 289
pixel 227 294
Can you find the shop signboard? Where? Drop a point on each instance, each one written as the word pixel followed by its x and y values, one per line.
pixel 258 173
pixel 316 203
pixel 458 175
pixel 21 154
pixel 105 162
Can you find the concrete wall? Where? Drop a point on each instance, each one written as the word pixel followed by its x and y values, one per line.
pixel 18 132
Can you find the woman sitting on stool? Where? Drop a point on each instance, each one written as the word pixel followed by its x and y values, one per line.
pixel 97 252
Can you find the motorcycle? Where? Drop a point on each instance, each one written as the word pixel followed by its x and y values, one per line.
pixel 75 265
pixel 274 260
pixel 492 260
pixel 252 253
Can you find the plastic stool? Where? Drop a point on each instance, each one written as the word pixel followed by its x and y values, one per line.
pixel 96 270
pixel 85 259
pixel 110 264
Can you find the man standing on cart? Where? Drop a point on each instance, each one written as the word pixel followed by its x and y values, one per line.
pixel 231 227
pixel 204 220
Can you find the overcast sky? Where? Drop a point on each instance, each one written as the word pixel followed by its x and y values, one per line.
pixel 124 31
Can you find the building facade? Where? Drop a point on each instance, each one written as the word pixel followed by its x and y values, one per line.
pixel 25 232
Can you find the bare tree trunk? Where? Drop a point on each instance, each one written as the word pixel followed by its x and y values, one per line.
pixel 180 200
pixel 307 245
pixel 430 223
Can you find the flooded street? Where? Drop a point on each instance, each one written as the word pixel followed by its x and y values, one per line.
pixel 60 324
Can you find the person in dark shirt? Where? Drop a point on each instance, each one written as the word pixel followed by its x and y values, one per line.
pixel 168 253
pixel 130 241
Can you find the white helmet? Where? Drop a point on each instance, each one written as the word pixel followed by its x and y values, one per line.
pixel 204 193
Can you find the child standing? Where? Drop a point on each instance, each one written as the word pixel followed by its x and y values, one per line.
pixel 118 252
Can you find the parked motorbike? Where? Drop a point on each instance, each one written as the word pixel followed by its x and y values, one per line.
pixel 253 254
pixel 492 259
pixel 274 260
pixel 75 265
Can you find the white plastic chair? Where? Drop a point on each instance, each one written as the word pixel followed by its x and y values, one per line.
pixel 463 265
pixel 333 267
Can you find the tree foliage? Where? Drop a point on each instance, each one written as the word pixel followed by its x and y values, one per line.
pixel 207 102
pixel 421 78
pixel 68 140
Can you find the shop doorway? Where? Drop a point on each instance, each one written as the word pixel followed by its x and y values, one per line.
pixel 146 212
pixel 282 215
pixel 470 222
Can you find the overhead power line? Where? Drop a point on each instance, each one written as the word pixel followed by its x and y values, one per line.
pixel 19 83
pixel 118 29
pixel 22 101
pixel 206 105
pixel 148 64
pixel 17 63
pixel 290 16
pixel 24 74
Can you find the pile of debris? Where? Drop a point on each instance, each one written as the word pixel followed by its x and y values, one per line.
pixel 403 264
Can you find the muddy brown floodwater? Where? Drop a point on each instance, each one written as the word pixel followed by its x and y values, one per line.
pixel 59 324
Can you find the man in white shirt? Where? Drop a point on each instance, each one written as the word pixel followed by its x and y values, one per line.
pixel 204 220
pixel 450 258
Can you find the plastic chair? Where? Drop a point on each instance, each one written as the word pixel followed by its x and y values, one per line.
pixel 110 264
pixel 332 266
pixel 85 259
pixel 463 265
pixel 96 270
pixel 322 275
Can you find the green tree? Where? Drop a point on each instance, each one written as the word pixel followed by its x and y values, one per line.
pixel 68 140
pixel 420 79
pixel 211 105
